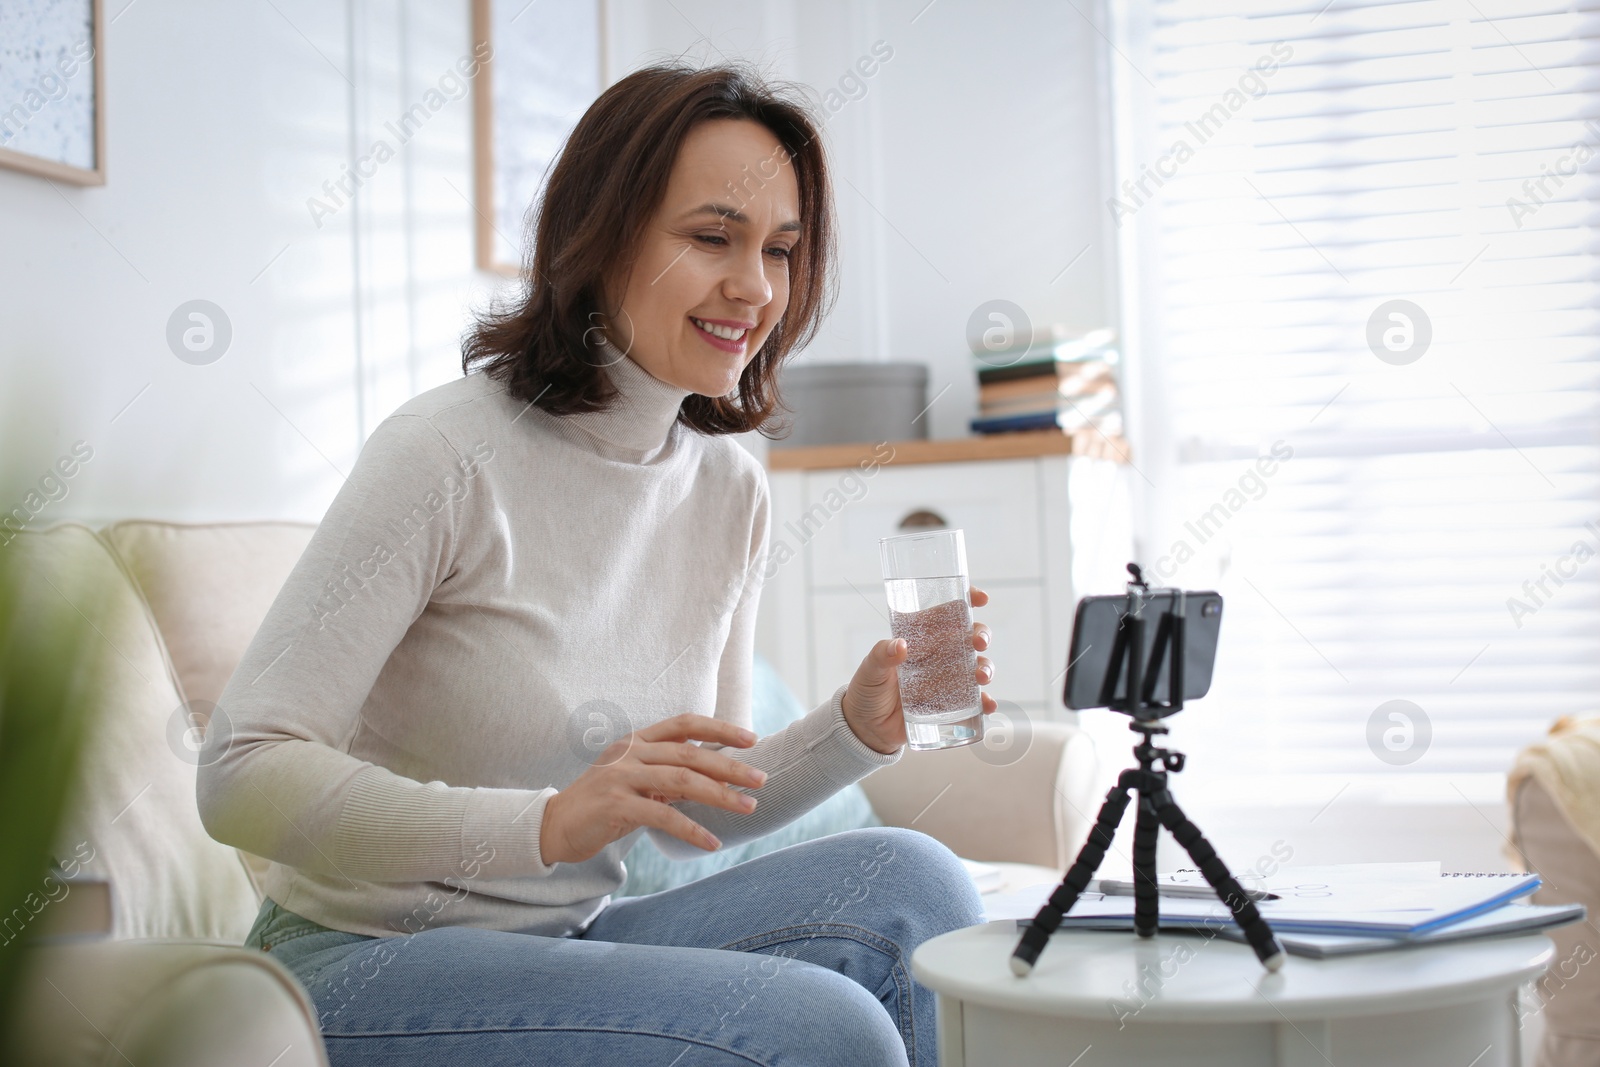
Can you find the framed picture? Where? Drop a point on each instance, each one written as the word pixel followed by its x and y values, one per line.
pixel 52 89
pixel 545 64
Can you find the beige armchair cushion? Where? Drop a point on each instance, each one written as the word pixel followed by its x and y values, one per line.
pixel 134 804
pixel 172 1003
pixel 208 587
pixel 1568 996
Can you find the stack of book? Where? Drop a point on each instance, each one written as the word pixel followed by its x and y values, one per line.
pixel 1049 380
pixel 1323 911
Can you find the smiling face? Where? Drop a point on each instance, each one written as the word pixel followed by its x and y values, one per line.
pixel 714 259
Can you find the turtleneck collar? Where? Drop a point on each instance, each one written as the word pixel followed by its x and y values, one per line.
pixel 641 415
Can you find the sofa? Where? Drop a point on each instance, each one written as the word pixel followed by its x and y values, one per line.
pixel 171 983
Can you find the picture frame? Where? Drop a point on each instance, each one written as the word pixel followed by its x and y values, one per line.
pixel 52 90
pixel 544 63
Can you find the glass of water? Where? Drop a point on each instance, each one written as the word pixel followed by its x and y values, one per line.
pixel 925 575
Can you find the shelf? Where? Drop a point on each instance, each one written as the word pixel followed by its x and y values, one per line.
pixel 1023 444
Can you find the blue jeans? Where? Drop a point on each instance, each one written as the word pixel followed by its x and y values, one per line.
pixel 798 957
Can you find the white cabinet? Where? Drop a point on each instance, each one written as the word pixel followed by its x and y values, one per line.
pixel 996 503
pixel 1041 531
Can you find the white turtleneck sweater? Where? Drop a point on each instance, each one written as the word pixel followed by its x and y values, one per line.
pixel 494 595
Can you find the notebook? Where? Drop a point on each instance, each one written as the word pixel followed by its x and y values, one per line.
pixel 1501 922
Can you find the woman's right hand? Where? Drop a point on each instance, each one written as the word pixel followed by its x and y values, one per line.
pixel 636 778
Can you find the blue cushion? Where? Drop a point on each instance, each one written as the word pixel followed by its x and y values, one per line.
pixel 772 707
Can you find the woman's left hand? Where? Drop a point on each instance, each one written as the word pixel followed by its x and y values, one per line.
pixel 872 702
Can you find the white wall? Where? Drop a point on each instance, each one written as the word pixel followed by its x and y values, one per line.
pixel 966 172
pixel 222 120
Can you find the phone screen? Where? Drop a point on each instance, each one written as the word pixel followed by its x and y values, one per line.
pixel 1094 634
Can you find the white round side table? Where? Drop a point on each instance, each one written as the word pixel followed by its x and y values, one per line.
pixel 1099 998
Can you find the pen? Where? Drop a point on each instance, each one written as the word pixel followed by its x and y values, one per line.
pixel 1113 888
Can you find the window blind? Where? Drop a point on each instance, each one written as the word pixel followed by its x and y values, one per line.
pixel 1428 532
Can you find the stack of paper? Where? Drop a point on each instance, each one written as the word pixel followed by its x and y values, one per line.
pixel 1327 911
pixel 1501 922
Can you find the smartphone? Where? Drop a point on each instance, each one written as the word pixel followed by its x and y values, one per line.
pixel 1094 632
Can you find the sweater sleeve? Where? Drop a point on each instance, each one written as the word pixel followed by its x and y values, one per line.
pixel 806 762
pixel 279 781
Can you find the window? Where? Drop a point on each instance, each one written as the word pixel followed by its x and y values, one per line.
pixel 1365 247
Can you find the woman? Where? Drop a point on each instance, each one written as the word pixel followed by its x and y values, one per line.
pixel 536 591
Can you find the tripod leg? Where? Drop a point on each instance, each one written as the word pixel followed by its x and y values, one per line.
pixel 1146 906
pixel 1255 928
pixel 1035 937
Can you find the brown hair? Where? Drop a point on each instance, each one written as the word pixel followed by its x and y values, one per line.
pixel 602 191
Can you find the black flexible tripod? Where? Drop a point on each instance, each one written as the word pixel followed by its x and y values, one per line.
pixel 1156 806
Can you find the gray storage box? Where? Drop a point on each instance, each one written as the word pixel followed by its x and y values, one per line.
pixel 843 403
